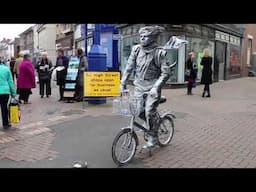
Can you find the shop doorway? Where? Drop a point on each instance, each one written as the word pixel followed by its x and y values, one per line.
pixel 219 68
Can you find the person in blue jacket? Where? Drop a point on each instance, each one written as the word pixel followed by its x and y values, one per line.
pixel 7 88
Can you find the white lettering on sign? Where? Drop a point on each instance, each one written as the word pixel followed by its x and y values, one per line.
pixel 221 36
pixel 234 40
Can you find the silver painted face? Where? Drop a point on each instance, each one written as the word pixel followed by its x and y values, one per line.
pixel 145 40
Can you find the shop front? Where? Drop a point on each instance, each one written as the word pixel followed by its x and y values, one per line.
pixel 130 37
pixel 227 59
pixel 225 49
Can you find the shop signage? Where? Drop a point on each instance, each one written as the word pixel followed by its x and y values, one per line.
pixel 234 40
pixel 222 36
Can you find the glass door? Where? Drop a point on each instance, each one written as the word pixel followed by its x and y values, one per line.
pixel 219 68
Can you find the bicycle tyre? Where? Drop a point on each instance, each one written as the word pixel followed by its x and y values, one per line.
pixel 166 118
pixel 134 141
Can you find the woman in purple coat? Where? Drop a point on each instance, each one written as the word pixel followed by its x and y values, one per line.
pixel 26 79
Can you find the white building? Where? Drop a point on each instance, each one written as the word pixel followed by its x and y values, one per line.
pixel 46 37
pixel 11 49
pixel 35 28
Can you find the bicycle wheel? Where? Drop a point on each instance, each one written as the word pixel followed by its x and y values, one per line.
pixel 165 131
pixel 124 147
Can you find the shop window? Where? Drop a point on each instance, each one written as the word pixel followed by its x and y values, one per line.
pixel 235 60
pixel 198 45
pixel 172 56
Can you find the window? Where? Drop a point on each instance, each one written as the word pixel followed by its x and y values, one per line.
pixel 235 60
pixel 249 51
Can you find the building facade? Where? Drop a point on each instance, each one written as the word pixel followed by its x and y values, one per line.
pixel 79 36
pixel 249 49
pixel 27 41
pixel 6 48
pixel 46 34
pixel 16 47
pixel 36 48
pixel 10 49
pixel 65 38
pixel 224 42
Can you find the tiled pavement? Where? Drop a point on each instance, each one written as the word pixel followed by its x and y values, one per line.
pixel 209 132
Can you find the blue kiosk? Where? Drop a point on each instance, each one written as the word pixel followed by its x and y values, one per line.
pixel 109 41
pixel 103 55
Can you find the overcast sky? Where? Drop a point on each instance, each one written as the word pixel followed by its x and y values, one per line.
pixel 12 30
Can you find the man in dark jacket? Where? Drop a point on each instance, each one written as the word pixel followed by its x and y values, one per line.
pixel 61 75
pixel 44 67
pixel 83 66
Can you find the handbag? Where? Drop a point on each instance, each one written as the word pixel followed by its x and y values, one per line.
pixel 187 74
pixel 14 111
pixel 194 85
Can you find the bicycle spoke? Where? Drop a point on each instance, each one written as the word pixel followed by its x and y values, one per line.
pixel 125 147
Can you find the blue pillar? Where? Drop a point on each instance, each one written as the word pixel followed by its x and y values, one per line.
pixel 115 52
pixel 97 61
pixel 85 39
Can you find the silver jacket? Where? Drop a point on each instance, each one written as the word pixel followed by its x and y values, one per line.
pixel 152 68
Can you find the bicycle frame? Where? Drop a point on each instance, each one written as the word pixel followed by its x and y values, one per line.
pixel 139 126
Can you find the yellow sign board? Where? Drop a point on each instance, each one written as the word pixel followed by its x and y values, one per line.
pixel 101 84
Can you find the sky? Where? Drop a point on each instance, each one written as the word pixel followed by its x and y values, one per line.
pixel 12 30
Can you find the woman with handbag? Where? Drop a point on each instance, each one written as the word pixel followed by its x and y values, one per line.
pixel 44 74
pixel 191 72
pixel 7 88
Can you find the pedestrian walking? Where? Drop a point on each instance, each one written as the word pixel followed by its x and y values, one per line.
pixel 16 70
pixel 191 72
pixel 7 88
pixel 12 63
pixel 26 78
pixel 83 66
pixel 62 61
pixel 206 78
pixel 44 68
pixel 17 64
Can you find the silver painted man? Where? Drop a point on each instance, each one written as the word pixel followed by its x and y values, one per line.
pixel 152 70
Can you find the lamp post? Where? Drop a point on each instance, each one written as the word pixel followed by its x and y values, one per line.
pixel 97 61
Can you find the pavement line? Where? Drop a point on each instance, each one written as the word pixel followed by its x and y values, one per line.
pixel 31 125
pixel 37 131
pixel 57 118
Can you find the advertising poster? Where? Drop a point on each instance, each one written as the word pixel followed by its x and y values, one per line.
pixel 98 84
pixel 72 72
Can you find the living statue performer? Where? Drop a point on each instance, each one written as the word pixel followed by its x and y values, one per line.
pixel 152 70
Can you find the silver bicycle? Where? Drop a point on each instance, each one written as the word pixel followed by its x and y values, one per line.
pixel 126 141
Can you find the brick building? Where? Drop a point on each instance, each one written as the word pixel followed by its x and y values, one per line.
pixel 249 48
